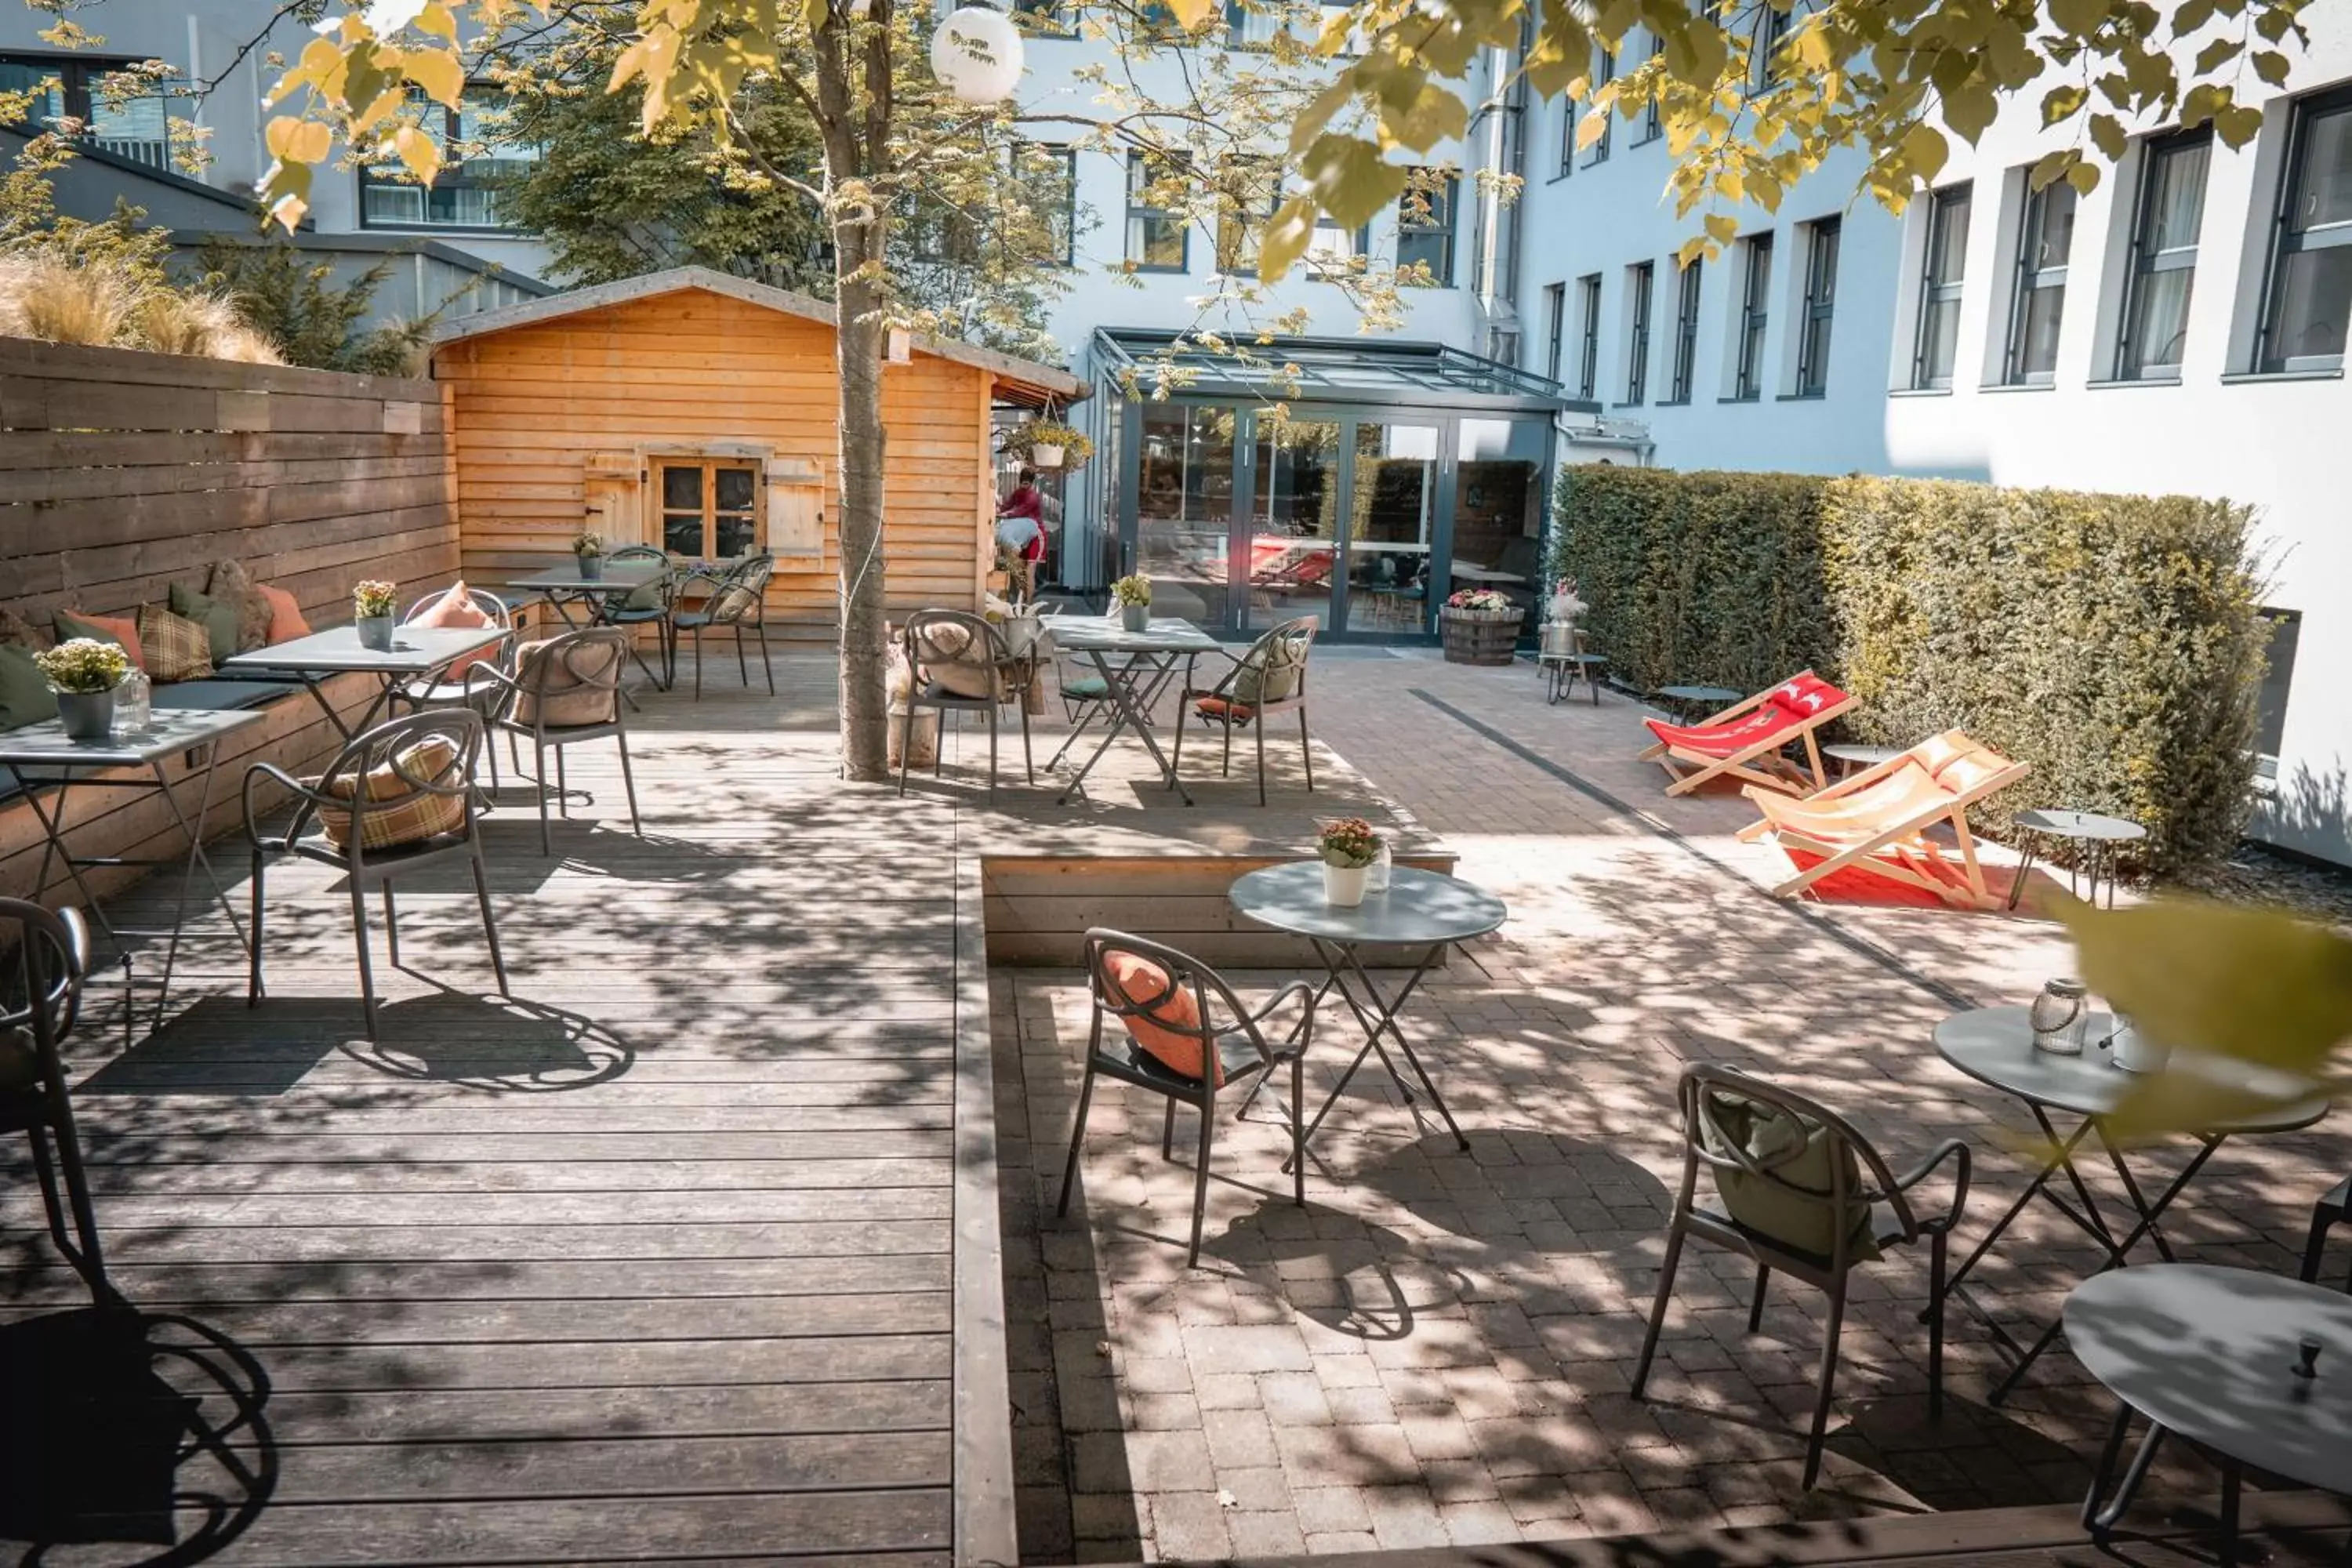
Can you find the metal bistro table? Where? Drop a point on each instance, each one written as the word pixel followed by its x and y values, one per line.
pixel 1135 667
pixel 1420 909
pixel 416 651
pixel 1995 1046
pixel 2102 833
pixel 2255 1368
pixel 1698 701
pixel 40 755
pixel 563 586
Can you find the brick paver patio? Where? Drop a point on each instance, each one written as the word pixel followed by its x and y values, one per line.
pixel 1437 1349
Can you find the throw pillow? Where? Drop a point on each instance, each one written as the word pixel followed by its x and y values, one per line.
pixel 1791 1205
pixel 398 811
pixel 1167 1010
pixel 16 631
pixel 233 585
pixel 285 622
pixel 455 608
pixel 564 689
pixel 219 616
pixel 177 649
pixel 122 633
pixel 24 694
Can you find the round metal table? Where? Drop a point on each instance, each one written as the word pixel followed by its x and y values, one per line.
pixel 1420 910
pixel 1995 1046
pixel 2214 1355
pixel 2100 832
pixel 1700 700
pixel 1857 758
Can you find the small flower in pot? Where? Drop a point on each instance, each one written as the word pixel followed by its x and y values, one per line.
pixel 588 551
pixel 84 672
pixel 1481 602
pixel 372 609
pixel 1348 848
pixel 1132 594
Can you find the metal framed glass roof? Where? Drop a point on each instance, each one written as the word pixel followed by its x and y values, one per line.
pixel 1350 370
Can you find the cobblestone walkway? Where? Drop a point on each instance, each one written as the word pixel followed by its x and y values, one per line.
pixel 1437 1349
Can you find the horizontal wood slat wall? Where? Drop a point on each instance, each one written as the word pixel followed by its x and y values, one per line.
pixel 536 408
pixel 121 473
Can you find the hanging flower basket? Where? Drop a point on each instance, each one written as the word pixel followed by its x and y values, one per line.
pixel 1479 626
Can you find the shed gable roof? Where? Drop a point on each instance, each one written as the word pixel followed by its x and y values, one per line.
pixel 1024 374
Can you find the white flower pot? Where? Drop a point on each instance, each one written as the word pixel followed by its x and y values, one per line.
pixel 1045 455
pixel 1135 617
pixel 1343 886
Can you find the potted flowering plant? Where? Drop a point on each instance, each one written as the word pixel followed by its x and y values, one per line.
pixel 1348 848
pixel 84 672
pixel 1048 444
pixel 1132 594
pixel 1481 626
pixel 588 551
pixel 371 603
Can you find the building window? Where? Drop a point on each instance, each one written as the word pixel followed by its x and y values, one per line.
pixel 1425 225
pixel 709 509
pixel 1568 117
pixel 2163 256
pixel 1158 238
pixel 1756 297
pixel 1651 127
pixel 2045 239
pixel 1045 18
pixel 2310 289
pixel 1049 183
pixel 1248 188
pixel 1332 250
pixel 1604 70
pixel 1685 334
pixel 2278 675
pixel 115 108
pixel 1821 307
pixel 1587 352
pixel 1771 32
pixel 1939 287
pixel 477 153
pixel 1556 326
pixel 1638 286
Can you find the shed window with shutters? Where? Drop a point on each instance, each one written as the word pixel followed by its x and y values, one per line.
pixel 709 507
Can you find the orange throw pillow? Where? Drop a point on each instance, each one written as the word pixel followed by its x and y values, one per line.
pixel 285 622
pixel 1134 981
pixel 454 609
pixel 123 630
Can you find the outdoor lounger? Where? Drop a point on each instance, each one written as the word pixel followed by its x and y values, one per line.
pixel 1745 740
pixel 1870 831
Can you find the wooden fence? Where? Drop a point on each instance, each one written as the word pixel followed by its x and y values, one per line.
pixel 122 472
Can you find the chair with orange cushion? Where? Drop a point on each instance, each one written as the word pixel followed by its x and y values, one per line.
pixel 1165 1022
pixel 1745 740
pixel 1873 827
pixel 1270 679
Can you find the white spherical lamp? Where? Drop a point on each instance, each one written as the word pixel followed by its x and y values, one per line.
pixel 977 53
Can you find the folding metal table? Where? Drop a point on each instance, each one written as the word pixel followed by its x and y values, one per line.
pixel 1145 661
pixel 415 652
pixel 563 586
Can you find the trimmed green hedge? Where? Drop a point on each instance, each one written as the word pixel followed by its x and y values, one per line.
pixel 2112 641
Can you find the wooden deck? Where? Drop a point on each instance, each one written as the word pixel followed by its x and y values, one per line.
pixel 686 1252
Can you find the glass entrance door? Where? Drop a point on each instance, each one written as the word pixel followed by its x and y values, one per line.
pixel 1291 549
pixel 1391 527
pixel 1184 512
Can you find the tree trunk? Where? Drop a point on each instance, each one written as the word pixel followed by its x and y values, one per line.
pixel 864 709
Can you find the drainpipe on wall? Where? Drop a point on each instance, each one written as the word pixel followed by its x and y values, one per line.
pixel 1499 138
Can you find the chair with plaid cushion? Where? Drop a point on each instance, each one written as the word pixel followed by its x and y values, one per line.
pixel 647 605
pixel 738 599
pixel 47 955
pixel 395 799
pixel 564 690
pixel 1270 679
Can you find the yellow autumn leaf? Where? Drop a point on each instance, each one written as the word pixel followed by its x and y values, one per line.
pixel 1286 237
pixel 418 153
pixel 438 73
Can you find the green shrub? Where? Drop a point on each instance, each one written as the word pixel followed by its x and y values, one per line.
pixel 2112 641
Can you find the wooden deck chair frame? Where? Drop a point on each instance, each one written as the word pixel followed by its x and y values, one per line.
pixel 1667 755
pixel 1904 836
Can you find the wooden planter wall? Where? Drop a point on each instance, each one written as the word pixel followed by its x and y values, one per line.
pixel 121 473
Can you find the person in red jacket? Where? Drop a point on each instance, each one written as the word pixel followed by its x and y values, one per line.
pixel 1021 522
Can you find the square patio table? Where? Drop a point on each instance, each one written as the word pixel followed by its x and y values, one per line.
pixel 40 755
pixel 415 652
pixel 1135 667
pixel 562 586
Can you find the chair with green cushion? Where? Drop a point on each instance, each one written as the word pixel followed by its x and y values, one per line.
pixel 647 605
pixel 1800 1190
pixel 1270 679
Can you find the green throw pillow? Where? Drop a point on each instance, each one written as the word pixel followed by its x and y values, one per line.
pixel 1766 1205
pixel 70 625
pixel 24 694
pixel 219 618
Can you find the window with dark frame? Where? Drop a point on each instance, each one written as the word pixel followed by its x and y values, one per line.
pixel 1555 325
pixel 1048 179
pixel 709 507
pixel 1158 238
pixel 2045 241
pixel 1569 115
pixel 2278 676
pixel 1637 376
pixel 1820 306
pixel 1940 279
pixel 1425 225
pixel 153 126
pixel 1045 18
pixel 1588 364
pixel 2307 295
pixel 1249 187
pixel 1755 307
pixel 1771 32
pixel 1685 333
pixel 1652 128
pixel 1604 71
pixel 463 195
pixel 2163 268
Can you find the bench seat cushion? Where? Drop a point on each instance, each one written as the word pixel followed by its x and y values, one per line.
pixel 222 696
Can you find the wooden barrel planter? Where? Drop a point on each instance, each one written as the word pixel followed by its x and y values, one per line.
pixel 1480 636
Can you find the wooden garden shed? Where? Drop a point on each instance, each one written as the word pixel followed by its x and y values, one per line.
pixel 695 410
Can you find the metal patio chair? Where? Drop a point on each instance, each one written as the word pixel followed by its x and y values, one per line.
pixel 1270 679
pixel 2332 1210
pixel 738 599
pixel 1800 1190
pixel 438 690
pixel 616 610
pixel 394 799
pixel 564 690
pixel 961 664
pixel 40 996
pixel 1152 992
